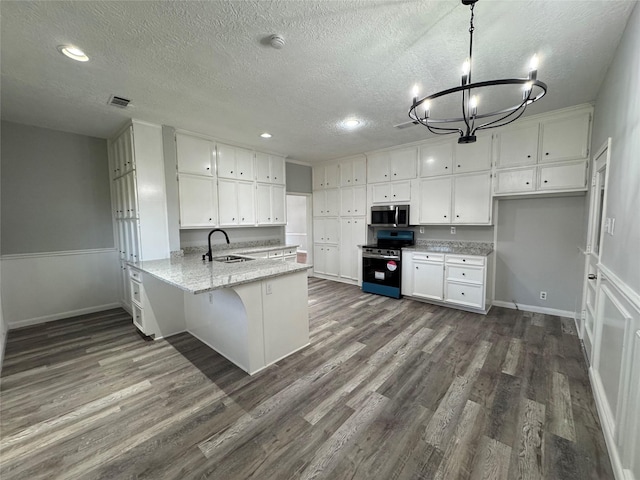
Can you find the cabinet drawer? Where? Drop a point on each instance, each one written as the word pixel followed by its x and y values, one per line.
pixel 135 274
pixel 465 294
pixel 276 254
pixel 465 274
pixel 432 257
pixel 465 260
pixel 136 292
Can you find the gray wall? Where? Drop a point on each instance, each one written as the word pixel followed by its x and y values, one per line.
pixel 298 178
pixel 198 238
pixel 537 250
pixel 55 191
pixel 617 115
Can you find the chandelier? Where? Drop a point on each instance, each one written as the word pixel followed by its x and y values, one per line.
pixel 472 121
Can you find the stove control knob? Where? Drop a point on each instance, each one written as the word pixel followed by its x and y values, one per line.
pixel 379 251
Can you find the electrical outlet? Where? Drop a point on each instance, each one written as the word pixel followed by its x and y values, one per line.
pixel 268 289
pixel 453 230
pixel 421 229
pixel 543 295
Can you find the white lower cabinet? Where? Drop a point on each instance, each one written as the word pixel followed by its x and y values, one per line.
pixel 326 259
pixel 353 232
pixel 198 201
pixel 454 280
pixel 428 276
pixel 326 230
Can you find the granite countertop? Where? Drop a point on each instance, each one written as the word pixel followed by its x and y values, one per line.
pixel 191 274
pixel 454 247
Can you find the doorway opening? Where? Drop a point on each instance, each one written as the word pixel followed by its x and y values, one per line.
pixel 298 228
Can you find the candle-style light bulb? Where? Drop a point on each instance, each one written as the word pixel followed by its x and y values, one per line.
pixel 426 106
pixel 473 105
pixel 533 67
pixel 526 90
pixel 415 90
pixel 466 68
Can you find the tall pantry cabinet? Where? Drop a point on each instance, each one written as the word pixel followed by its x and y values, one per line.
pixel 139 200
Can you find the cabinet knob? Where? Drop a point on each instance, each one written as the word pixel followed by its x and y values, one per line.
pixel 275 178
pixel 462 293
pixel 446 168
pixel 545 181
pixel 385 174
pixel 464 274
pixel 355 179
pixel 208 168
pixel 458 166
pixel 592 276
pixel 457 216
pixel 547 153
pixel 527 183
pixel 529 156
pixel 464 260
pixel 395 174
pixel 348 181
pixel 241 173
pixel 210 219
pixel 445 216
pixel 416 268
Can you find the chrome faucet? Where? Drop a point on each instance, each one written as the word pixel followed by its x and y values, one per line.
pixel 209 254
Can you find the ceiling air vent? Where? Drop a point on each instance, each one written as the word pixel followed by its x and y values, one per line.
pixel 405 125
pixel 119 101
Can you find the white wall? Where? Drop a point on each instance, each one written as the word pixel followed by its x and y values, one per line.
pixel 3 325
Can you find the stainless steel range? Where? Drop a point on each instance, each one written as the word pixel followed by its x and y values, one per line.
pixel 382 262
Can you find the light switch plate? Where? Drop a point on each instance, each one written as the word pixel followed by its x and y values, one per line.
pixel 453 230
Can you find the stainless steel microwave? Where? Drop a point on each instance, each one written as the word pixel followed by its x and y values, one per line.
pixel 390 216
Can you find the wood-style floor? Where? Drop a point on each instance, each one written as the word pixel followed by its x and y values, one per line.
pixel 388 389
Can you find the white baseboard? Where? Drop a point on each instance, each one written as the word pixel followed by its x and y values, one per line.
pixel 59 316
pixel 534 309
pixel 607 426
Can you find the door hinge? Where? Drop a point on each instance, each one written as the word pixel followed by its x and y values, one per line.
pixel 583 314
pixel 593 181
pixel 588 249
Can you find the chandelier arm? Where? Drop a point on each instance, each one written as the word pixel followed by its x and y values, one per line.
pixel 520 110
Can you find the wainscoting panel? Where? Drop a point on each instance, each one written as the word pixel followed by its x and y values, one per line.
pixel 41 287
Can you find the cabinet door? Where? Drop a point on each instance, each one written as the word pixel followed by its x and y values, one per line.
pixel 319 203
pixel 381 193
pixel 278 196
pixel 403 163
pixel 198 201
pixel 360 200
pixel 194 154
pixel 331 230
pixel 435 200
pixel 436 159
pixel 472 199
pixel 515 181
pixel 318 230
pixel 226 161
pixel 346 174
pixel 563 177
pixel 244 164
pixel 378 167
pixel 263 204
pixel 319 258
pixel 228 202
pixel 347 260
pixel 332 202
pixel 565 138
pixel 428 280
pixel 473 157
pixel 359 171
pixel 518 146
pixel 332 176
pixel 346 202
pixel 332 260
pixel 401 191
pixel 277 170
pixel 318 178
pixel 246 203
pixel 263 167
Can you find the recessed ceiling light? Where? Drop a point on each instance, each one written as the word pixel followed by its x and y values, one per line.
pixel 266 135
pixel 73 52
pixel 351 123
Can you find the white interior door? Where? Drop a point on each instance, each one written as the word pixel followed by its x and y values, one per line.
pixel 597 210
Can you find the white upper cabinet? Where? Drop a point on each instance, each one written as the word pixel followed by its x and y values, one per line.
pixel 237 203
pixel 271 204
pixel 235 162
pixel 473 157
pixel 392 165
pixel 517 180
pixel 326 203
pixel 518 146
pixel 198 201
pixel 436 159
pixel 563 177
pixel 565 138
pixel 353 172
pixel 435 200
pixel 472 199
pixel 353 201
pixel 270 168
pixel 326 176
pixel 393 192
pixel 195 155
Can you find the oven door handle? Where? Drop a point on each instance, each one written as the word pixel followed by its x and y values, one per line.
pixel 381 257
pixel 397 214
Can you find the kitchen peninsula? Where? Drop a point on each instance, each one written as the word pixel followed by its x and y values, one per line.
pixel 251 310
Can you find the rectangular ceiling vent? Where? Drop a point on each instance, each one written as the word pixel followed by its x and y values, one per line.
pixel 406 125
pixel 119 101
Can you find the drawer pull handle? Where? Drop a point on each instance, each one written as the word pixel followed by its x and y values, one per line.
pixel 464 260
pixel 462 293
pixel 464 274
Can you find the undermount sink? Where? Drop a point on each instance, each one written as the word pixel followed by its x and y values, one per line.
pixel 231 259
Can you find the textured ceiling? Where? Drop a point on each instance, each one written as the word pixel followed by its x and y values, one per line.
pixel 205 66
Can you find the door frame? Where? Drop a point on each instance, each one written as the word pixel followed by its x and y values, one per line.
pixel 600 163
pixel 309 223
